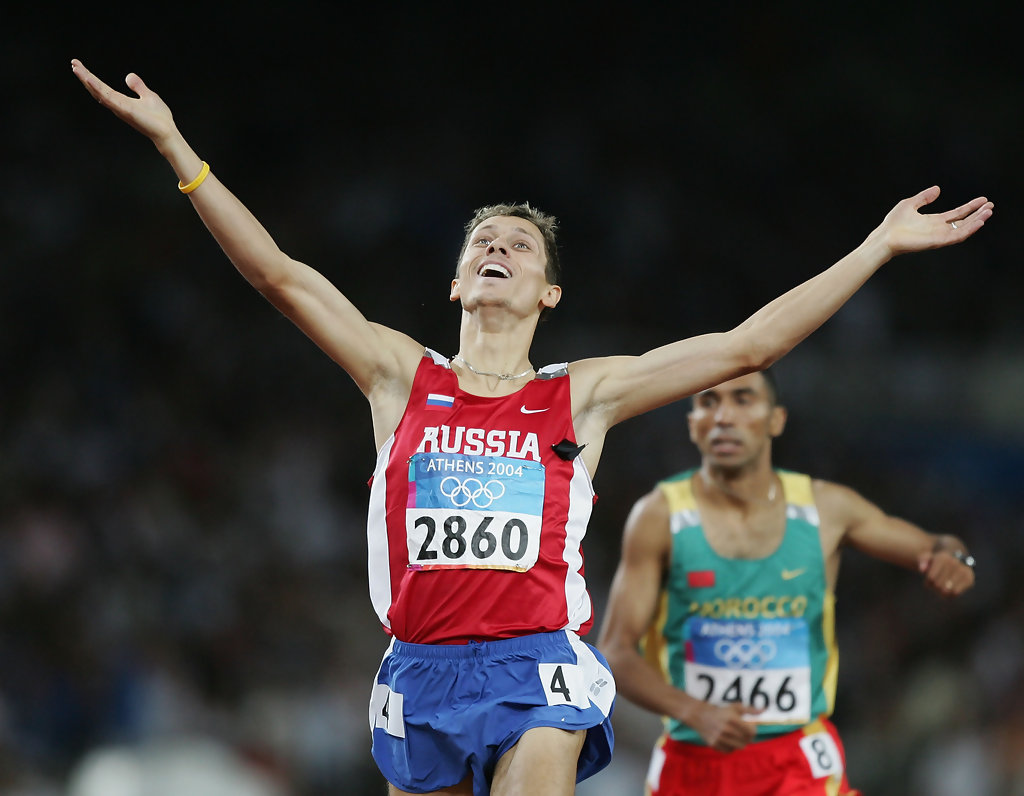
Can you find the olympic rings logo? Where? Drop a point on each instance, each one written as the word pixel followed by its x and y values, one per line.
pixel 472 490
pixel 744 653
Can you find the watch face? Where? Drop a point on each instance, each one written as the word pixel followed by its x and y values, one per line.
pixel 965 559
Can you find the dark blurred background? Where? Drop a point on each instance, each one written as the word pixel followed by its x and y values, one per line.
pixel 183 597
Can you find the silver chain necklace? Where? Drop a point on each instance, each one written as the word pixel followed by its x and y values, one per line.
pixel 502 376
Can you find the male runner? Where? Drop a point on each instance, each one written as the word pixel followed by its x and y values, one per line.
pixel 482 492
pixel 728 572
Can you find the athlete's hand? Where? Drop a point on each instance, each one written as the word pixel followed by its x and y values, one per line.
pixel 147 113
pixel 723 727
pixel 944 573
pixel 906 229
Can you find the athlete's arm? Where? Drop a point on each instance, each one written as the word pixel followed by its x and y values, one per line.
pixel 632 605
pixel 380 360
pixel 622 387
pixel 862 525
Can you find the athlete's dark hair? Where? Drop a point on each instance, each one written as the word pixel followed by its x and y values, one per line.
pixel 774 395
pixel 547 224
pixel 771 383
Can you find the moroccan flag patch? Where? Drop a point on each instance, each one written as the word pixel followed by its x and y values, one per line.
pixel 700 579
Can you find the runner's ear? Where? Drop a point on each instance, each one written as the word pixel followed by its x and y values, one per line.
pixel 777 421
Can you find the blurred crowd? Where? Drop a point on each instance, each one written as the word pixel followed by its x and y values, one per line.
pixel 182 558
pixel 183 596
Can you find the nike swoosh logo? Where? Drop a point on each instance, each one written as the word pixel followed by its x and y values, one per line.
pixel 526 411
pixel 789 574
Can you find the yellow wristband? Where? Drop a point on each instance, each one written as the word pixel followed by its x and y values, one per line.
pixel 197 181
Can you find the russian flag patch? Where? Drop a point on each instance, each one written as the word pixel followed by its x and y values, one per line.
pixel 700 579
pixel 438 401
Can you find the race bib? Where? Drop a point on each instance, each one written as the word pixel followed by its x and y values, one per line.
pixel 474 512
pixel 764 664
pixel 822 755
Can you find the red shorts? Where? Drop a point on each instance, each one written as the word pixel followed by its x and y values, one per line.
pixel 807 762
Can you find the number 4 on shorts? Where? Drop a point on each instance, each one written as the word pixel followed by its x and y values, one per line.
pixel 386 711
pixel 563 684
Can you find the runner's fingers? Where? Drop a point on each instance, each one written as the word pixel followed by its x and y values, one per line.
pixel 951 585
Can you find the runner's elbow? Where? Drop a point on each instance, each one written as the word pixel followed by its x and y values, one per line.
pixel 749 354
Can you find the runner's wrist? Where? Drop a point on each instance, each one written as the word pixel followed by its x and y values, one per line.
pixel 175 149
pixel 688 709
pixel 955 548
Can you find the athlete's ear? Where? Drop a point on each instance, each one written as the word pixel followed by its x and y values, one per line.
pixel 454 295
pixel 777 421
pixel 551 296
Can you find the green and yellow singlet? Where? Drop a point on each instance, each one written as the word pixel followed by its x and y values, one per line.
pixel 756 631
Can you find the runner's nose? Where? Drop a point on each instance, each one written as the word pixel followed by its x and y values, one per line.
pixel 497 246
pixel 723 414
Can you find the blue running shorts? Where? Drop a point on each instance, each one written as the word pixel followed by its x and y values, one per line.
pixel 440 711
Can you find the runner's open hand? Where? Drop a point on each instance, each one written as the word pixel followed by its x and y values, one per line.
pixel 906 229
pixel 147 113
